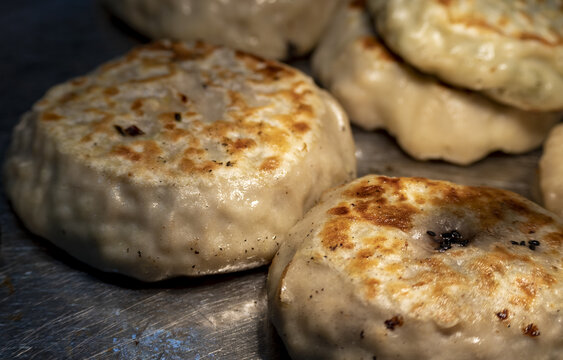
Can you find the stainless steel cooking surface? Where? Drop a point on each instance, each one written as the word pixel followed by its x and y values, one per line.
pixel 52 306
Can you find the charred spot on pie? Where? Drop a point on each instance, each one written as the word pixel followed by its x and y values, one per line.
pixel 532 244
pixel 447 229
pixel 531 330
pixel 119 129
pixel 131 130
pixel 448 239
pixel 394 322
pixel 502 315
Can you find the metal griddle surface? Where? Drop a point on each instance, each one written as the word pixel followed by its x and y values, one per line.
pixel 52 306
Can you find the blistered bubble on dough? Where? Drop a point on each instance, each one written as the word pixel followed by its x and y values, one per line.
pixel 429 119
pixel 176 159
pixel 551 171
pixel 274 29
pixel 411 268
pixel 512 50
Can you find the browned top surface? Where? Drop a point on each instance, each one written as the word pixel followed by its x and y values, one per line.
pixel 391 236
pixel 535 20
pixel 171 109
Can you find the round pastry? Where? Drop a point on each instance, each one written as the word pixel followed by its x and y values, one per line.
pixel 177 159
pixel 551 171
pixel 429 119
pixel 410 268
pixel 274 29
pixel 511 50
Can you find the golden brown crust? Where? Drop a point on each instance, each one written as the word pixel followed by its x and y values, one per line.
pixel 476 271
pixel 508 49
pixel 429 119
pixel 126 122
pixel 169 160
pixel 526 22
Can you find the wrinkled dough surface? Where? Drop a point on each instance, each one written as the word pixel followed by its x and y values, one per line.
pixel 176 159
pixel 275 29
pixel 429 119
pixel 510 50
pixel 551 171
pixel 411 268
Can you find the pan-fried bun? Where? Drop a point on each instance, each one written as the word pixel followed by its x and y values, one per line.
pixel 411 268
pixel 429 119
pixel 276 29
pixel 511 50
pixel 177 159
pixel 551 171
